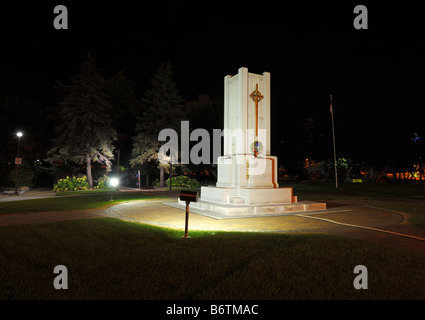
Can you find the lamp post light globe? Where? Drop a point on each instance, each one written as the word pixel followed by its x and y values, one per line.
pixel 19 134
pixel 113 183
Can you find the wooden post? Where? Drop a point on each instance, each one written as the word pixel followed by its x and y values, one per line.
pixel 186 225
pixel 187 196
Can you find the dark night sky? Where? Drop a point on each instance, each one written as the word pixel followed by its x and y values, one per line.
pixel 310 50
pixel 304 46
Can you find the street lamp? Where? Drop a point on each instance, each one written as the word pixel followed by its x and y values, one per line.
pixel 113 183
pixel 17 161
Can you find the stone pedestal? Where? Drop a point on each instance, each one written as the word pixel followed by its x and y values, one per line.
pixel 242 202
pixel 247 196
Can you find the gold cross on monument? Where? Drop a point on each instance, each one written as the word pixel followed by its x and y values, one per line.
pixel 257 97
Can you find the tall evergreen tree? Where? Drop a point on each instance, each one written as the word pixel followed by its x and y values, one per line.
pixel 122 95
pixel 163 109
pixel 85 132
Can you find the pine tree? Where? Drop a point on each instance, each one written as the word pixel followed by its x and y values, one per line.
pixel 121 94
pixel 85 132
pixel 163 109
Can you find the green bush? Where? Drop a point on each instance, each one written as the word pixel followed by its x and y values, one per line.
pixel 71 184
pixel 26 174
pixel 102 183
pixel 180 182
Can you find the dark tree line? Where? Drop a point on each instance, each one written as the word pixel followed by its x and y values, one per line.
pixel 93 108
pixel 383 132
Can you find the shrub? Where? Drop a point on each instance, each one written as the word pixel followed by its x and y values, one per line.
pixel 318 170
pixel 71 184
pixel 26 174
pixel 102 183
pixel 180 182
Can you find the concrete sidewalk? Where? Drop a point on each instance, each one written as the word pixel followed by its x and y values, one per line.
pixel 158 212
pixel 389 227
pixel 346 218
pixel 30 194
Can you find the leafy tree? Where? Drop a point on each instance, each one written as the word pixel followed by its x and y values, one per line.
pixel 85 132
pixel 163 109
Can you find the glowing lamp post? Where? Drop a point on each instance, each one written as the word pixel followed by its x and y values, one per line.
pixel 113 183
pixel 18 161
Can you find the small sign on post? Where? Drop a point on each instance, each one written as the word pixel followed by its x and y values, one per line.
pixel 188 196
pixel 18 160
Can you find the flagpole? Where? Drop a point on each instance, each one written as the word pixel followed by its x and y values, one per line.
pixel 333 136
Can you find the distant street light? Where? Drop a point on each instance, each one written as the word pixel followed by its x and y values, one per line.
pixel 113 182
pixel 18 161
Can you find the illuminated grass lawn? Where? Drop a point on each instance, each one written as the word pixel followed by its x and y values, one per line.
pixel 112 259
pixel 74 201
pixel 352 191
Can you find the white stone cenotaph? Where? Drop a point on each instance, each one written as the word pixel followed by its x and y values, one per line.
pixel 247 183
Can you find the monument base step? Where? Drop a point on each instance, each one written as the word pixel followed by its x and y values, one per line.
pixel 223 211
pixel 247 196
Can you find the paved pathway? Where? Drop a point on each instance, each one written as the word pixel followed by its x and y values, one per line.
pixel 358 221
pixel 30 194
pixel 352 219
